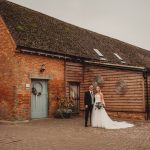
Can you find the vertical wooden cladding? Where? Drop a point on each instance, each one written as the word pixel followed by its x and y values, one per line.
pixel 74 73
pixel 131 101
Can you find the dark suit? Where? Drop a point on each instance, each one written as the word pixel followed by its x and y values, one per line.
pixel 88 101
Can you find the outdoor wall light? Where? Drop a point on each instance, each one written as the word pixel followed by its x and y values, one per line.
pixel 42 68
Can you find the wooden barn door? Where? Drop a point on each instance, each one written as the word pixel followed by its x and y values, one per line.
pixel 74 93
pixel 39 99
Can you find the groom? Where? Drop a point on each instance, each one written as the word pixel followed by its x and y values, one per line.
pixel 88 101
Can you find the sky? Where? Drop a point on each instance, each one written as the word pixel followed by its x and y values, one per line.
pixel 126 20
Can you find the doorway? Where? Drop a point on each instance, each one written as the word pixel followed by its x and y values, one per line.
pixel 39 99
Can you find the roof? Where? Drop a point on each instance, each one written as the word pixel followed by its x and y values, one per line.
pixel 35 30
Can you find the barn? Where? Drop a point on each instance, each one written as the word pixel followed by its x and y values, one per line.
pixel 60 59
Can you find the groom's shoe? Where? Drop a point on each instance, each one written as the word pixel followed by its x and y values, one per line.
pixel 86 125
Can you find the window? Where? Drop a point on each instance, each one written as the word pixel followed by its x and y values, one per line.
pixel 98 52
pixel 103 58
pixel 122 61
pixel 74 94
pixel 118 56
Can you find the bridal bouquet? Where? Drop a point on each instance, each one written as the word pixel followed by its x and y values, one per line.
pixel 99 105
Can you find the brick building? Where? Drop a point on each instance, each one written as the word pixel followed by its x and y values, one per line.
pixel 57 59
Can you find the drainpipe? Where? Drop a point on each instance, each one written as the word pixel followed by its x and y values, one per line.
pixel 65 84
pixel 145 74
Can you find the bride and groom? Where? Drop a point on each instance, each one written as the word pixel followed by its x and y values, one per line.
pixel 98 114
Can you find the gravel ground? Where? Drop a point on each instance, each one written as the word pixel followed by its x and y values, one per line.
pixel 70 134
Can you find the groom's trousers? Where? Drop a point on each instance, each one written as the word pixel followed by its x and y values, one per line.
pixel 88 111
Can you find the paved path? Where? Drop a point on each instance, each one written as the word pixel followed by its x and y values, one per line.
pixel 70 134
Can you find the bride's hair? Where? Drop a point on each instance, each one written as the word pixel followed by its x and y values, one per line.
pixel 98 89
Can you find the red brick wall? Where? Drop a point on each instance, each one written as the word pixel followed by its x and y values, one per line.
pixel 7 86
pixel 15 69
pixel 27 65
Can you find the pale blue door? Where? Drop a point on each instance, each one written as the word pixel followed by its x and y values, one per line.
pixel 39 99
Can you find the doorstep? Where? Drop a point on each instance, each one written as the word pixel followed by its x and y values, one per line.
pixel 13 122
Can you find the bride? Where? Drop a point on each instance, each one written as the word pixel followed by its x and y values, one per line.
pixel 100 117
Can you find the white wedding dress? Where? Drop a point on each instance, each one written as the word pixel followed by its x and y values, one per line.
pixel 101 119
